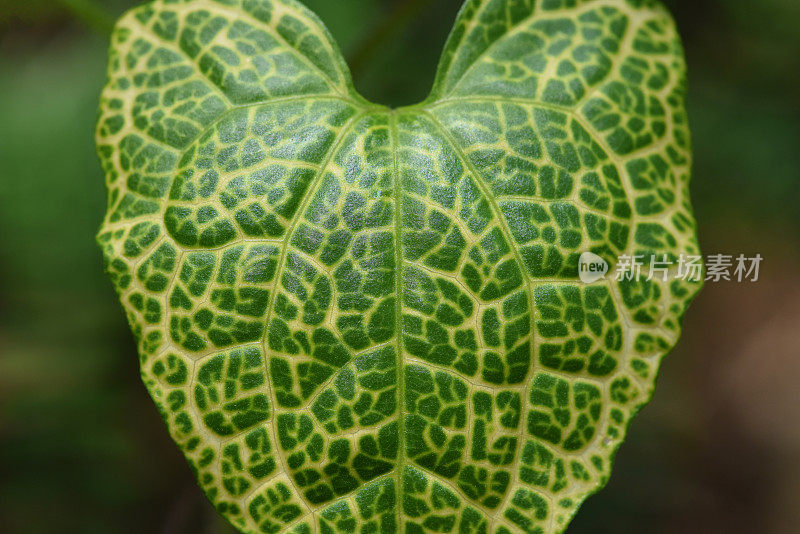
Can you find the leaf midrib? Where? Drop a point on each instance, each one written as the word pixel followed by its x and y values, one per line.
pixel 398 219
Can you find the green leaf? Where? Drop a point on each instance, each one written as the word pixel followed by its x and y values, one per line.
pixel 361 319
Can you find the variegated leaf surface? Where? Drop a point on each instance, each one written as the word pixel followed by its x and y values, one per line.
pixel 362 319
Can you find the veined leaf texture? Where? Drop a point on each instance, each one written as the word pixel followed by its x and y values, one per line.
pixel 362 319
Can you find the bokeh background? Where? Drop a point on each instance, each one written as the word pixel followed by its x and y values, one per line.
pixel 82 448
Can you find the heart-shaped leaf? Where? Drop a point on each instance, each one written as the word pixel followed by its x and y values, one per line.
pixel 357 319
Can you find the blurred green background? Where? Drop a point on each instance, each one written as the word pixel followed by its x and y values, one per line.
pixel 82 448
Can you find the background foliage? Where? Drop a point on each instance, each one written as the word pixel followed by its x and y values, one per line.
pixel 82 448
